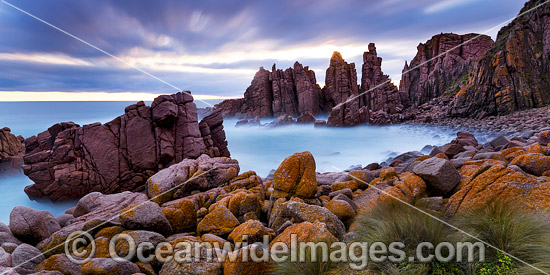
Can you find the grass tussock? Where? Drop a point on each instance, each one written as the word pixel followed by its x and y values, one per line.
pixel 394 221
pixel 523 236
pixel 311 266
pixel 522 240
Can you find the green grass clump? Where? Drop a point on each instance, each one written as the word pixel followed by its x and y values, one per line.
pixel 307 267
pixel 510 228
pixel 394 221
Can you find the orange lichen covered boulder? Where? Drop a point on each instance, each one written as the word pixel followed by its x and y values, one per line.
pixel 296 176
pixel 253 229
pixel 342 209
pixel 235 265
pixel 500 183
pixel 305 232
pixel 219 222
pixel 343 185
pixel 536 148
pixel 182 216
pixel 408 187
pixel 532 164
pixel 511 153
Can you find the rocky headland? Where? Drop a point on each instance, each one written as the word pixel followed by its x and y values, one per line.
pixel 451 76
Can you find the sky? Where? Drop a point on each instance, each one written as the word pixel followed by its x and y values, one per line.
pixel 135 49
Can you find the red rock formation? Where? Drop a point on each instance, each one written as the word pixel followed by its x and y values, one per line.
pixel 308 91
pixel 513 75
pixel 293 92
pixel 341 94
pixel 11 151
pixel 380 93
pixel 430 75
pixel 340 81
pixel 69 161
pixel 231 107
pixel 258 97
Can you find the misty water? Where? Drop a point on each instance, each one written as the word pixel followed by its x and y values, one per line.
pixel 258 149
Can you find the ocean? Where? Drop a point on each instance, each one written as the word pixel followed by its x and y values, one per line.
pixel 257 149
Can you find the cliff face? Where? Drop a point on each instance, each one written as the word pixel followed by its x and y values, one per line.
pixel 68 161
pixel 514 74
pixel 430 76
pixel 293 91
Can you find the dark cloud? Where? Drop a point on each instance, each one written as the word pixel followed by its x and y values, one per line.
pixel 213 27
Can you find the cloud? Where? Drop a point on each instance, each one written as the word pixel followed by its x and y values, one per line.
pixel 445 5
pixel 214 47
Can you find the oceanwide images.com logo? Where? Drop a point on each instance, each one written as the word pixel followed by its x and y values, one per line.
pixel 80 247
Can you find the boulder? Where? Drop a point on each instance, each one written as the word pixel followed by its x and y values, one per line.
pixel 60 263
pixel 63 219
pixel 5 258
pixel 342 209
pixel 219 222
pixel 253 229
pixel 306 118
pixel 305 232
pixel 146 216
pixel 32 226
pixel 203 173
pixel 282 121
pixel 440 175
pixel 193 268
pixel 499 141
pixel 498 182
pixel 26 257
pixel 533 163
pixel 100 266
pixel 68 161
pixel 296 176
pixel 182 216
pixel 544 138
pixel 300 212
pixel 248 266
pixel 92 210
pixel 139 237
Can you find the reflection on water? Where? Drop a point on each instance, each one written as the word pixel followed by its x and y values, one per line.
pixel 13 194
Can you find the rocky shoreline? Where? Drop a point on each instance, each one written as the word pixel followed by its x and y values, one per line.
pixel 208 199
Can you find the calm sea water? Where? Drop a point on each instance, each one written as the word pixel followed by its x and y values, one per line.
pixel 258 149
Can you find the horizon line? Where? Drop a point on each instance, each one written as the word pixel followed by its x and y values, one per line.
pixel 59 96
